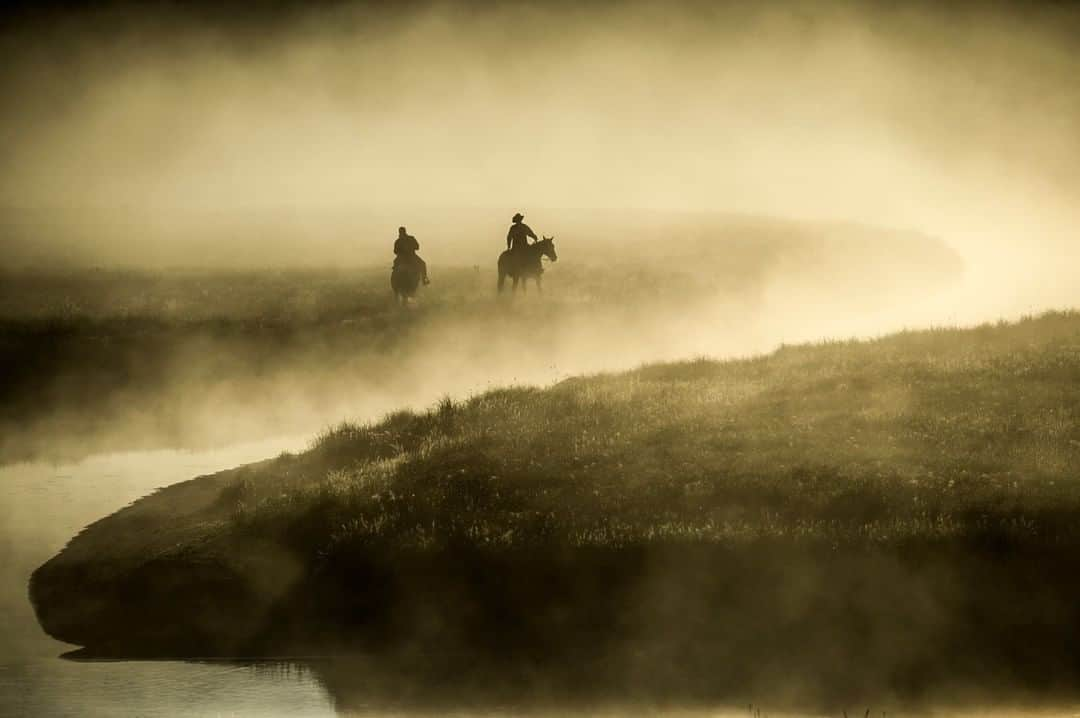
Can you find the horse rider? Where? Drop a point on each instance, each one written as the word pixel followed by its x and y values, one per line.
pixel 405 252
pixel 518 236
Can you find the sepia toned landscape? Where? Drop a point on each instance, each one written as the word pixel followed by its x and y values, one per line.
pixel 514 358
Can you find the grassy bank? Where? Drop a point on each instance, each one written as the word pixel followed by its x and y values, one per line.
pixel 892 517
pixel 104 360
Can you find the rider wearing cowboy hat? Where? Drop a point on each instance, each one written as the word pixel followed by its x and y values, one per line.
pixel 518 236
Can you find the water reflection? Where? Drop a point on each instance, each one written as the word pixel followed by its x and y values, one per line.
pixel 56 687
pixel 43 505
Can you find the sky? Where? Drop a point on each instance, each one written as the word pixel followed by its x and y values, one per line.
pixel 960 120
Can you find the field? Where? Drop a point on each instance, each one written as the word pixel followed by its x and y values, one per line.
pixel 827 522
pixel 123 359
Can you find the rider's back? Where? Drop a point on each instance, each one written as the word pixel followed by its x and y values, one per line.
pixel 406 245
pixel 518 236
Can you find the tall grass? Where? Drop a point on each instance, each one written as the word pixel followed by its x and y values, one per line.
pixel 897 516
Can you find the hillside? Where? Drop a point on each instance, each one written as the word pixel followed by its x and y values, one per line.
pixel 102 359
pixel 897 516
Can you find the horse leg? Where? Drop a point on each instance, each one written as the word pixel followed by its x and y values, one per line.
pixel 539 286
pixel 502 281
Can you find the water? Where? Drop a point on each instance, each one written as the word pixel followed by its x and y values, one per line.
pixel 42 505
pixel 56 687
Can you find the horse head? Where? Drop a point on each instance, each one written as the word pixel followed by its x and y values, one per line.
pixel 547 248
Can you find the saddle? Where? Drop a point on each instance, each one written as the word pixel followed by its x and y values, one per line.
pixel 520 259
pixel 406 260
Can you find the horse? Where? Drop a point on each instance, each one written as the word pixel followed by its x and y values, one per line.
pixel 404 279
pixel 524 264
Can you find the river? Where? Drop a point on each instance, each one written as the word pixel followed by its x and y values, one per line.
pixel 42 505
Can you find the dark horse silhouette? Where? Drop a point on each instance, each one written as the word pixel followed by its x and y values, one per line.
pixel 524 264
pixel 404 279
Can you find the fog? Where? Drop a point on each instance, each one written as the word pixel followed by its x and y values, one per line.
pixel 132 134
pixel 181 137
pixel 186 136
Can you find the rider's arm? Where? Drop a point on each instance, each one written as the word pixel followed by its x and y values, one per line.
pixel 531 233
pixel 509 234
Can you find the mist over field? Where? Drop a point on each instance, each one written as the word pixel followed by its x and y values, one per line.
pixel 286 137
pixel 183 135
